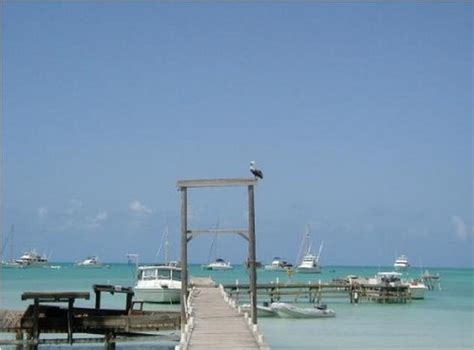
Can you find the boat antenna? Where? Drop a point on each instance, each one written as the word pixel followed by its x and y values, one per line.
pixel 319 252
pixel 304 243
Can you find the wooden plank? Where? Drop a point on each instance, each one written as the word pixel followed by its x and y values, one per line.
pixel 216 182
pixel 55 296
pixel 10 320
pixel 217 325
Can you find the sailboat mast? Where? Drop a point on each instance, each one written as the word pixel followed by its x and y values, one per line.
pixel 166 245
pixel 12 229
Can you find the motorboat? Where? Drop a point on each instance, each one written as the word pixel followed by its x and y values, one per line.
pixel 218 264
pixel 32 259
pixel 158 284
pixel 401 263
pixel 290 311
pixel 90 262
pixel 278 264
pixel 309 264
pixel 431 280
pixel 264 310
pixel 417 289
pixel 309 261
pixel 394 279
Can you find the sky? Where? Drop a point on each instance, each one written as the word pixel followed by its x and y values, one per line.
pixel 359 115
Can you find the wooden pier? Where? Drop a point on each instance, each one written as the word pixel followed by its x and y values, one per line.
pixel 105 324
pixel 214 321
pixel 315 292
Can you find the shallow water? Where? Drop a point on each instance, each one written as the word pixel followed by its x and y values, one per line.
pixel 444 320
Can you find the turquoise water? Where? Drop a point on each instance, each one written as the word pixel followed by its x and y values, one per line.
pixel 444 320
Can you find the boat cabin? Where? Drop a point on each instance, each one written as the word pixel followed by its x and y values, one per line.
pixel 148 273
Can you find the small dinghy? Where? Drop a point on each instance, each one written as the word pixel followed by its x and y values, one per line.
pixel 291 311
pixel 264 310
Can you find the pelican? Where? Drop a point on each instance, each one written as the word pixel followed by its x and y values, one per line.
pixel 256 172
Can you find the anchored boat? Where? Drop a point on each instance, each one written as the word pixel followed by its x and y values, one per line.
pixel 401 264
pixel 158 284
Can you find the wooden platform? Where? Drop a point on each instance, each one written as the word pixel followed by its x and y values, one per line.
pixel 217 325
pixel 42 317
pixel 10 321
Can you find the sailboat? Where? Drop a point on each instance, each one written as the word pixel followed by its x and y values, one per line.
pixel 218 263
pixel 309 262
pixel 9 239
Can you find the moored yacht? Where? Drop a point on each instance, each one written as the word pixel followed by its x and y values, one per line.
pixel 32 259
pixel 401 264
pixel 416 288
pixel 309 262
pixel 90 262
pixel 218 264
pixel 158 284
pixel 278 264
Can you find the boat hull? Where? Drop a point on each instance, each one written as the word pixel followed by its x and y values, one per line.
pixel 262 311
pixel 158 295
pixel 308 269
pixel 418 291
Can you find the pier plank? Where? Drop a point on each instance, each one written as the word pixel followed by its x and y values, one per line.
pixel 216 324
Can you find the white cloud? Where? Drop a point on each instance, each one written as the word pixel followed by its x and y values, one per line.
pixel 74 206
pixel 42 213
pixel 97 220
pixel 463 231
pixel 139 209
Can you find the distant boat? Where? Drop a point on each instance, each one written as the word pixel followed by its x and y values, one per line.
pixel 31 259
pixel 309 261
pixel 90 262
pixel 9 239
pixel 290 311
pixel 416 288
pixel 401 263
pixel 218 264
pixel 158 284
pixel 431 280
pixel 278 264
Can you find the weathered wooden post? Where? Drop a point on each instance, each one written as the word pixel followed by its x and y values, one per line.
pixel 252 255
pixel 184 255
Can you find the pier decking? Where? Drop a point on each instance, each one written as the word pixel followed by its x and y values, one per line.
pixel 214 324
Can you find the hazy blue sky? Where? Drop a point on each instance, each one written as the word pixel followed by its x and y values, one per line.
pixel 360 116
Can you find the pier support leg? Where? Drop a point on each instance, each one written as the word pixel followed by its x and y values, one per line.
pixel 184 255
pixel 110 341
pixel 252 255
pixel 19 337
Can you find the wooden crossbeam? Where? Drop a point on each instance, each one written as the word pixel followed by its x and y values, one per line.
pixel 216 182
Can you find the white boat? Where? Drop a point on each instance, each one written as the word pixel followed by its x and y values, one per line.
pixel 90 262
pixel 278 264
pixel 264 310
pixel 309 262
pixel 401 263
pixel 158 284
pixel 218 264
pixel 394 279
pixel 32 259
pixel 417 289
pixel 290 311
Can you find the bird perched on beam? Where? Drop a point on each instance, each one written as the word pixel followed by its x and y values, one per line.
pixel 256 172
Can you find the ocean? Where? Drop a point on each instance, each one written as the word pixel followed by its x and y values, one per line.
pixel 443 320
